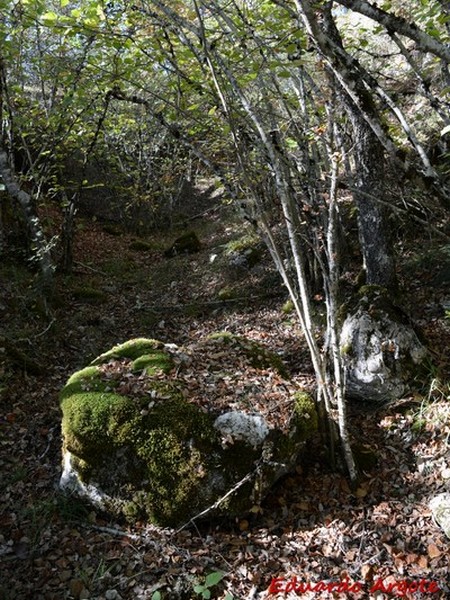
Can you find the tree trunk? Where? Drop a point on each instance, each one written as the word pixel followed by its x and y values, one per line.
pixel 41 246
pixel 370 185
pixel 67 235
pixel 373 222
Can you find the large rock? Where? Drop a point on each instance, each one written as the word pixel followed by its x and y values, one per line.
pixel 152 431
pixel 188 243
pixel 440 510
pixel 381 351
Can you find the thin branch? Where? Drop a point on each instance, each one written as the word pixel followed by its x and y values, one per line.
pixel 222 499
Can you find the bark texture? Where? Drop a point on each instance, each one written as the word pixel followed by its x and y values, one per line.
pixel 41 247
pixel 373 223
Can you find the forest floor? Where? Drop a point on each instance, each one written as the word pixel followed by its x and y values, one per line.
pixel 312 528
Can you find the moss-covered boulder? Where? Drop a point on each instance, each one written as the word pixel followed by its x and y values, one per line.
pixel 245 252
pixel 188 243
pixel 158 432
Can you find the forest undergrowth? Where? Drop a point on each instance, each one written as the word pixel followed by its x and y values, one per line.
pixel 311 535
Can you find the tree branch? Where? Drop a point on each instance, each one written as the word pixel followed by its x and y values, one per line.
pixel 391 22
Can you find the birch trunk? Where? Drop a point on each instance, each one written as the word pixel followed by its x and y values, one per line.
pixel 40 244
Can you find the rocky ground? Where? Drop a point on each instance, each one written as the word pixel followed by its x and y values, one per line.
pixel 313 537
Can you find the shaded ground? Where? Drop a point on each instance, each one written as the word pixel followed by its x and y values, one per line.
pixel 312 527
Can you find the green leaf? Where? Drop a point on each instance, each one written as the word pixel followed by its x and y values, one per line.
pixel 199 589
pixel 64 3
pixel 206 595
pixel 291 143
pixel 49 18
pixel 291 48
pixel 91 22
pixel 214 578
pixel 156 596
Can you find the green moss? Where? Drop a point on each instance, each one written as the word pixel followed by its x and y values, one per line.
pixel 155 445
pixel 249 246
pixel 86 380
pixel 243 243
pixel 288 307
pixel 174 470
pixel 91 419
pixel 306 417
pixel 171 463
pixel 226 293
pixel 152 363
pixel 80 387
pixel 346 349
pixel 132 349
pixel 372 291
pixel 86 374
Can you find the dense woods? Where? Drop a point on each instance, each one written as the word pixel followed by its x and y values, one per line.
pixel 314 133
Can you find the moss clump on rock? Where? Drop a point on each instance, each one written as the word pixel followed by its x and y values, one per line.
pixel 90 419
pixel 85 381
pixel 227 293
pixel 152 363
pixel 150 457
pixel 245 251
pixel 288 307
pixel 187 243
pixel 85 375
pixel 305 413
pixel 136 443
pixel 132 349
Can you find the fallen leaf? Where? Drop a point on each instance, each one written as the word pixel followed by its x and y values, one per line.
pixel 243 525
pixel 433 551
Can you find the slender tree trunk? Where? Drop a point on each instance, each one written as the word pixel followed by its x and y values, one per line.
pixel 67 235
pixel 41 246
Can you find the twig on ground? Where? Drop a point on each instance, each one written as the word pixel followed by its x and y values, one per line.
pixel 38 335
pixel 218 502
pixel 91 269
